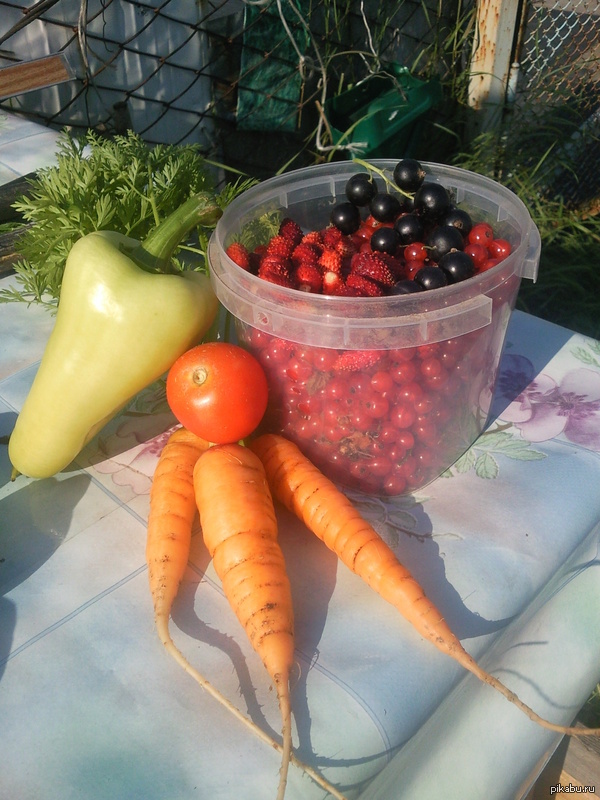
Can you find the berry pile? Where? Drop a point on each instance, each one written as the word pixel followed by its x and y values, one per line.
pixel 378 242
pixel 387 421
pixel 384 422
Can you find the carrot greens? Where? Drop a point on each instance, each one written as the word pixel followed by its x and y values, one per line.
pixel 120 184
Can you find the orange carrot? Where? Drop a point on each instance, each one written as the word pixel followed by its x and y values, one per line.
pixel 172 512
pixel 170 522
pixel 328 513
pixel 239 527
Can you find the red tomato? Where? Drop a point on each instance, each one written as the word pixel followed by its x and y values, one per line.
pixel 217 391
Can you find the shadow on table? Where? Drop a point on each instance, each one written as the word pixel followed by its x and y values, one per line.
pixel 35 518
pixel 311 586
pixel 185 618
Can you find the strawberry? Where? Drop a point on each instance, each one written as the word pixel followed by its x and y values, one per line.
pixel 333 283
pixel 305 253
pixel 372 266
pixel 330 260
pixel 360 286
pixel 313 237
pixel 280 246
pixel 308 278
pixel 331 236
pixel 275 270
pixel 239 254
pixel 290 229
pixel 346 247
pixel 355 360
pixel 395 265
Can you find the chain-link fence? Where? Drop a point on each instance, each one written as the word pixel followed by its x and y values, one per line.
pixel 557 99
pixel 246 81
pixel 250 82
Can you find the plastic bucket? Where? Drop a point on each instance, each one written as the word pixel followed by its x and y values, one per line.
pixel 441 347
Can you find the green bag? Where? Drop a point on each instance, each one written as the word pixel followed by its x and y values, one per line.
pixel 270 84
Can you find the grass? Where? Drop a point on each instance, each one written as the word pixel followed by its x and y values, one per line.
pixel 590 713
pixel 567 291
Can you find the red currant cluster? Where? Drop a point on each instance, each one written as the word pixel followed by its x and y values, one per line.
pixel 384 422
pixel 379 242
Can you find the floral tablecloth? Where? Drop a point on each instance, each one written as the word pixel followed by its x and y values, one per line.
pixel 506 544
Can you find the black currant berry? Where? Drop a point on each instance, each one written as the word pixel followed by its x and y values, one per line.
pixel 432 200
pixel 431 277
pixel 443 239
pixel 459 219
pixel 385 207
pixel 345 217
pixel 408 175
pixel 406 286
pixel 410 228
pixel 361 189
pixel 385 240
pixel 458 266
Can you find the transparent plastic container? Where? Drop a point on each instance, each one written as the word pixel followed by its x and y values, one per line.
pixel 440 348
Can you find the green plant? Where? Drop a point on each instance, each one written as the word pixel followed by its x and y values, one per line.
pixel 590 713
pixel 119 184
pixel 567 291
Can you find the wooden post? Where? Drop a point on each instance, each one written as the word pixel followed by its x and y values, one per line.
pixel 495 29
pixel 36 74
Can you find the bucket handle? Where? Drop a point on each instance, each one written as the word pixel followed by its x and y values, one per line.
pixel 531 262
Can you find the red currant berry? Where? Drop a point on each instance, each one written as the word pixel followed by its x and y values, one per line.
pixel 499 248
pixel 387 434
pixel 410 393
pixel 411 268
pixel 333 433
pixel 375 406
pixel 425 431
pixel 323 358
pixel 298 370
pixel 481 233
pixel 381 382
pixel 402 415
pixel 431 367
pixel 403 372
pixel 336 388
pixel 491 262
pixel 406 440
pixel 380 467
pixel 311 404
pixel 403 354
pixel 415 252
pixel 407 467
pixel 394 485
pixel 478 252
pixel 437 380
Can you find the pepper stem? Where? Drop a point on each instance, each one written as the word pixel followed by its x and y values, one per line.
pixel 154 254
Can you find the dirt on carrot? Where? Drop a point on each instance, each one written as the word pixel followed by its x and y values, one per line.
pixel 328 513
pixel 239 527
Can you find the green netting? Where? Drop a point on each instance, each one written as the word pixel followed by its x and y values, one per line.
pixel 270 84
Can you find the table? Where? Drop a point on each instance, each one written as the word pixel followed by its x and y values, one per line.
pixel 506 545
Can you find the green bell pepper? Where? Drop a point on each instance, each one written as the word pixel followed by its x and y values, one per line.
pixel 124 316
